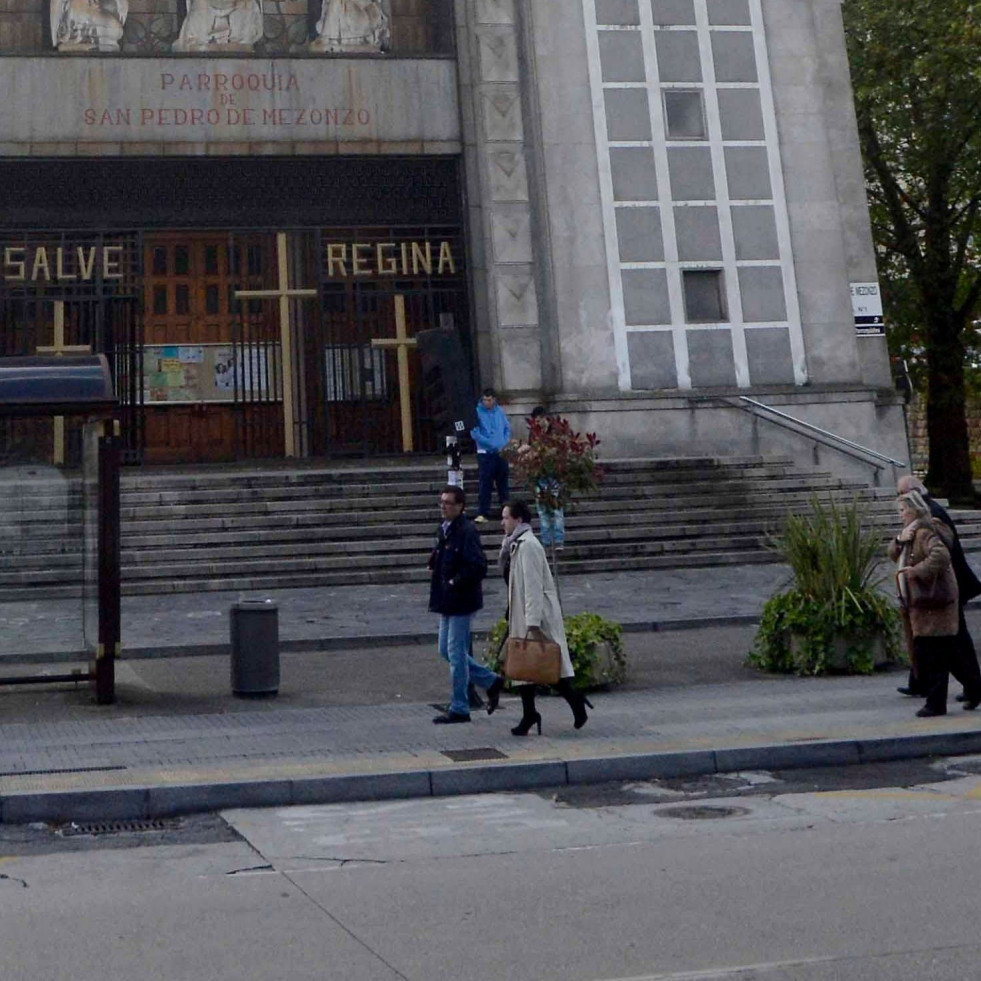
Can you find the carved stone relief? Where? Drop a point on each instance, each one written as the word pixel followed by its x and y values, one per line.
pixel 221 25
pixel 88 25
pixel 352 26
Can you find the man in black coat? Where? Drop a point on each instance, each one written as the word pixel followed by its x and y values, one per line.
pixel 964 666
pixel 458 565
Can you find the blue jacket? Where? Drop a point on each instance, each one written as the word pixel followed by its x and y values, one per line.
pixel 492 432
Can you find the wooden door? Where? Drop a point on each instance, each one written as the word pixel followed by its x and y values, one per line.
pixel 192 321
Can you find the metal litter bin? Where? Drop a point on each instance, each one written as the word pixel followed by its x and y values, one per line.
pixel 255 648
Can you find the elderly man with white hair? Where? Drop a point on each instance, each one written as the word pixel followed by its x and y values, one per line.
pixel 964 662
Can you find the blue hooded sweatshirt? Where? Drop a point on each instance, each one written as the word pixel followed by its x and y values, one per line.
pixel 492 432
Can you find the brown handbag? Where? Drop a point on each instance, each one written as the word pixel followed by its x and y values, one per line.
pixel 535 661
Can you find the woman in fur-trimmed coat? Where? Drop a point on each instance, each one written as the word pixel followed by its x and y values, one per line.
pixel 534 611
pixel 923 564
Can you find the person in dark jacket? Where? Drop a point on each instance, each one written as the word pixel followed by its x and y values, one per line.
pixel 457 566
pixel 964 658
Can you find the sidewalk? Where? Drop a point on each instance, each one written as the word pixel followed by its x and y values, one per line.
pixel 344 616
pixel 354 724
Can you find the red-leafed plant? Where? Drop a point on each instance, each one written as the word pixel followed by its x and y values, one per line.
pixel 555 463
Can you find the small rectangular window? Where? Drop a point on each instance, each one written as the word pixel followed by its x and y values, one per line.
pixel 704 296
pixel 182 260
pixel 182 301
pixel 211 299
pixel 684 118
pixel 159 261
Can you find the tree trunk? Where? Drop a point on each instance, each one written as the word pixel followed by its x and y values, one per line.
pixel 949 474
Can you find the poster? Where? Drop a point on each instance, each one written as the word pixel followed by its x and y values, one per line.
pixel 208 373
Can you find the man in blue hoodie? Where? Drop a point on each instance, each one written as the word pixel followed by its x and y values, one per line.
pixel 491 434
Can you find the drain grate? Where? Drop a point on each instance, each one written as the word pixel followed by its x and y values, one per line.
pixel 473 755
pixel 71 769
pixel 701 812
pixel 117 827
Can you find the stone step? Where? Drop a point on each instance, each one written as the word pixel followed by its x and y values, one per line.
pixel 683 492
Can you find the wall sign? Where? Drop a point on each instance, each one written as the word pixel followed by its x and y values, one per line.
pixel 867 307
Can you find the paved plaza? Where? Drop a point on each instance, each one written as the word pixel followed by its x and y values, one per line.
pixel 360 679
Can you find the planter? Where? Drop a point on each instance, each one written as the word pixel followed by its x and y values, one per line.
pixel 837 659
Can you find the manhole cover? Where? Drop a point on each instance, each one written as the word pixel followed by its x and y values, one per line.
pixel 699 812
pixel 473 755
pixel 117 827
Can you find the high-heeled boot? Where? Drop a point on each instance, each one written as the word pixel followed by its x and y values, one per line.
pixel 577 702
pixel 529 717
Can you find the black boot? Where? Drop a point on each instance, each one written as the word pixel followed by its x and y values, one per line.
pixel 577 702
pixel 529 717
pixel 494 694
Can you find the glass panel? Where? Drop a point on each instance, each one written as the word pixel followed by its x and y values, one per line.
pixel 182 300
pixel 159 299
pixel 211 260
pixel 683 112
pixel 159 261
pixel 182 260
pixel 211 299
pixel 704 296
pixel 255 260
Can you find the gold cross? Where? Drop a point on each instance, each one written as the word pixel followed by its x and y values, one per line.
pixel 401 342
pixel 283 293
pixel 58 349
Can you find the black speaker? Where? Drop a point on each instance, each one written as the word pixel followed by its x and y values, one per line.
pixel 446 381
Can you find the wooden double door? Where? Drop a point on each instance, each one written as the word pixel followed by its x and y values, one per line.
pixel 212 381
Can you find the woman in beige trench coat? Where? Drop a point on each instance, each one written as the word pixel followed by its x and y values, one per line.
pixel 534 611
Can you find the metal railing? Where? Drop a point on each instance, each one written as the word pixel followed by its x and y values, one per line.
pixel 879 461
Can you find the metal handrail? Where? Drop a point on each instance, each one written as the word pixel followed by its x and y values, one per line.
pixel 834 437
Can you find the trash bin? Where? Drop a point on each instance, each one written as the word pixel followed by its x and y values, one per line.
pixel 255 648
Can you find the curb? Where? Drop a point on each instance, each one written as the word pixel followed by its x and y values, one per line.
pixel 356 642
pixel 148 802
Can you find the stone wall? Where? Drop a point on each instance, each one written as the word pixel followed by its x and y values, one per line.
pixel 919 443
pixel 22 25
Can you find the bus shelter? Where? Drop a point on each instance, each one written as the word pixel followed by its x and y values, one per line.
pixel 60 519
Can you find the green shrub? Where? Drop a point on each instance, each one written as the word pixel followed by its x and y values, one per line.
pixel 834 554
pixel 585 632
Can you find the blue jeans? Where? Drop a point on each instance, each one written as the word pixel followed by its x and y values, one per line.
pixel 492 470
pixel 551 525
pixel 454 646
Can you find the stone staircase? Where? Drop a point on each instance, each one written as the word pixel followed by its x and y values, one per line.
pixel 260 529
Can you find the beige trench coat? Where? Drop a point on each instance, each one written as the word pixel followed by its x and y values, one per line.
pixel 533 600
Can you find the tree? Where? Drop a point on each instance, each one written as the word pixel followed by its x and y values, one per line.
pixel 917 78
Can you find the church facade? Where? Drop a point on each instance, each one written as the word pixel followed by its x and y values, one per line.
pixel 638 212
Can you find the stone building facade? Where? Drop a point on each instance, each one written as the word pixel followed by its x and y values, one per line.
pixel 635 211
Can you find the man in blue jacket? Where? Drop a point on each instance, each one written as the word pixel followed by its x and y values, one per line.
pixel 491 434
pixel 458 565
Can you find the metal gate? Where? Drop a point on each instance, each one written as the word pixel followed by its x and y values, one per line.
pixel 77 291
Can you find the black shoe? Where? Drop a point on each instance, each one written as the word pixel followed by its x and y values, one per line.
pixel 450 718
pixel 911 692
pixel 494 695
pixel 524 726
pixel 970 704
pixel 476 702
pixel 928 713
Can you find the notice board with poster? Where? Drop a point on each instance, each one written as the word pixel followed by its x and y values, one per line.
pixel 182 373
